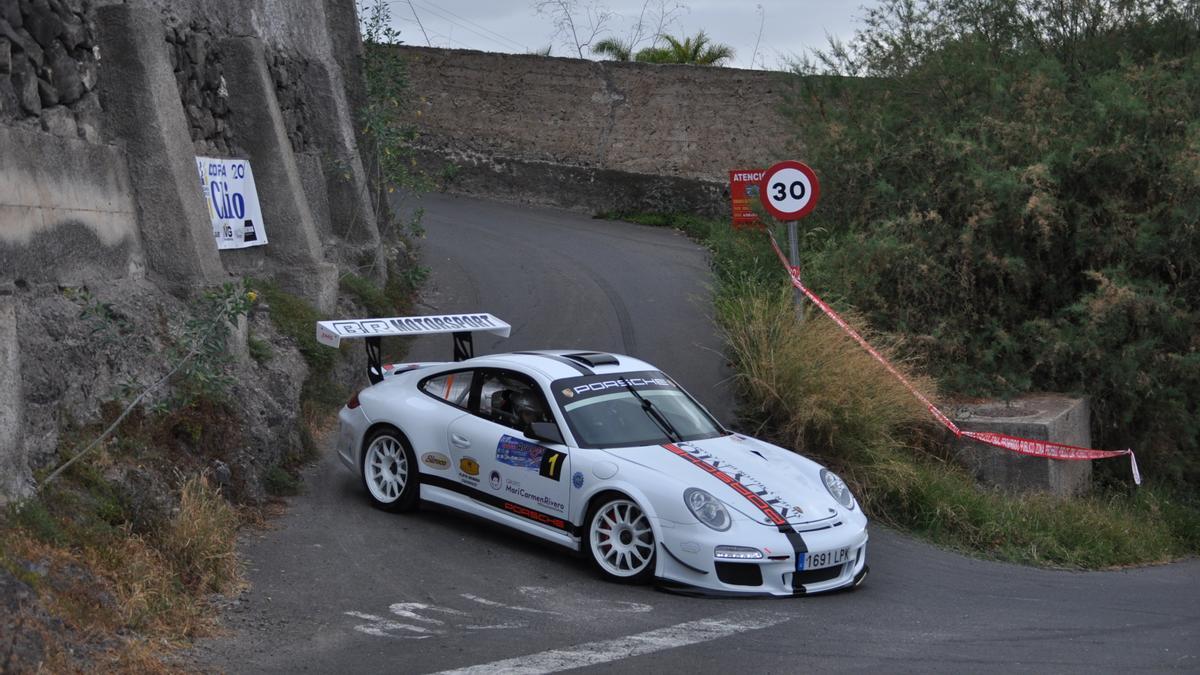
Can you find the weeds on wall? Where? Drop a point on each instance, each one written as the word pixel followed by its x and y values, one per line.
pixel 127 537
pixel 198 368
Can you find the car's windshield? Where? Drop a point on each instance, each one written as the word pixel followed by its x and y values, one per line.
pixel 602 412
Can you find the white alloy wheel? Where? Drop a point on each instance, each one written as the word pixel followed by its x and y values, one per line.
pixel 621 541
pixel 388 471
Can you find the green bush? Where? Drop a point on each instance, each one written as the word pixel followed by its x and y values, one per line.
pixel 260 350
pixel 281 483
pixel 1017 193
pixel 297 319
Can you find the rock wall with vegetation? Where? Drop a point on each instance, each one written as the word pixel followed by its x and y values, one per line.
pixel 157 394
pixel 106 248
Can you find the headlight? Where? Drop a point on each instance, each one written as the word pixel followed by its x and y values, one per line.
pixel 737 553
pixel 707 509
pixel 837 488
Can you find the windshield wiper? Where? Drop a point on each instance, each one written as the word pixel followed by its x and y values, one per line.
pixel 652 411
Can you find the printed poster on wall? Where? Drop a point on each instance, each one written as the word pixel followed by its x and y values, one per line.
pixel 228 189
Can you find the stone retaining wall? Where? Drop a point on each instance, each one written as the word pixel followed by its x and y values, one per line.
pixel 480 111
pixel 49 67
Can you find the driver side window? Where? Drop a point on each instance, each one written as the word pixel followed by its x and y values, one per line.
pixel 512 400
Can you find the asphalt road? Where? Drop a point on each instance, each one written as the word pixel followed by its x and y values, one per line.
pixel 341 587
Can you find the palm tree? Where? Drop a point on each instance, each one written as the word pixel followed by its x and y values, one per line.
pixel 697 51
pixel 615 48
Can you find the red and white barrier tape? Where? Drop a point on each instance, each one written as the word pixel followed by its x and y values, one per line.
pixel 1024 446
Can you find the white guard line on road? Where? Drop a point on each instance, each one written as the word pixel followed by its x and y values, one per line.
pixel 592 653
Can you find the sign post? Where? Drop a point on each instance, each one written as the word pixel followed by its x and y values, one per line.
pixel 789 191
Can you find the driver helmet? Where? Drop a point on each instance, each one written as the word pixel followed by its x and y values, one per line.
pixel 525 406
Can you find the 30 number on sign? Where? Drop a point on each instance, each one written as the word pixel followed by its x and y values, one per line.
pixel 789 190
pixel 795 191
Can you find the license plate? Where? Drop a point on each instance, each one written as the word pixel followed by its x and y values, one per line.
pixel 815 561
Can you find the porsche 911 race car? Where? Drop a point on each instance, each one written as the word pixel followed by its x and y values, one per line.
pixel 600 453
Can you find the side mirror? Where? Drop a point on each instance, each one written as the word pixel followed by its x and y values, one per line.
pixel 545 431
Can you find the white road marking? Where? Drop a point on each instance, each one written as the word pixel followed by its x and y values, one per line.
pixel 493 603
pixel 405 611
pixel 621 606
pixel 604 651
pixel 634 607
pixel 382 627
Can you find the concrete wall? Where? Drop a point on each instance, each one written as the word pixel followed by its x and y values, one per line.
pixel 66 211
pixel 481 111
pixel 150 77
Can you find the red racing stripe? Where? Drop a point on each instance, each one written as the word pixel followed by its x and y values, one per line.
pixel 725 478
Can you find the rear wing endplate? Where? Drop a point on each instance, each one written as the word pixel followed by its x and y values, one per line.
pixel 461 326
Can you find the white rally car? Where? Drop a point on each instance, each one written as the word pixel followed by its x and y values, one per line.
pixel 600 453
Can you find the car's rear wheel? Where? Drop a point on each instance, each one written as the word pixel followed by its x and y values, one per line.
pixel 620 541
pixel 389 471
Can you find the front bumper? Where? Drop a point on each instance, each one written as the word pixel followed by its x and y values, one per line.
pixel 688 562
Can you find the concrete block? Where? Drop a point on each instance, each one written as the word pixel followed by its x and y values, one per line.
pixel 259 128
pixel 353 217
pixel 14 465
pixel 67 212
pixel 238 342
pixel 144 111
pixel 312 176
pixel 318 284
pixel 1055 418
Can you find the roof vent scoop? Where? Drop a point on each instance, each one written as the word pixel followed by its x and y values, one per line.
pixel 593 359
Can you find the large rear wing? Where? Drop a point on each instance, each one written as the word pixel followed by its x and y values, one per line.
pixel 461 326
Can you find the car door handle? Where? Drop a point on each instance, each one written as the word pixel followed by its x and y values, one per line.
pixel 459 441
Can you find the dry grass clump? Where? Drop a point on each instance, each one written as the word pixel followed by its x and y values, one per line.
pixel 123 597
pixel 817 390
pixel 201 538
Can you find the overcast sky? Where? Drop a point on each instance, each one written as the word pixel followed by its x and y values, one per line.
pixel 790 26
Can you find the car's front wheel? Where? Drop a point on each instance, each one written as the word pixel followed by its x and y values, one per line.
pixel 389 471
pixel 620 541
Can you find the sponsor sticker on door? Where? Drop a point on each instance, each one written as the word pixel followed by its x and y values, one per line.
pixel 435 460
pixel 522 454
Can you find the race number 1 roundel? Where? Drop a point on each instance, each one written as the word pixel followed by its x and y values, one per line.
pixel 789 190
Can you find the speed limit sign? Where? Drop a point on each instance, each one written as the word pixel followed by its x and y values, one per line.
pixel 789 190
